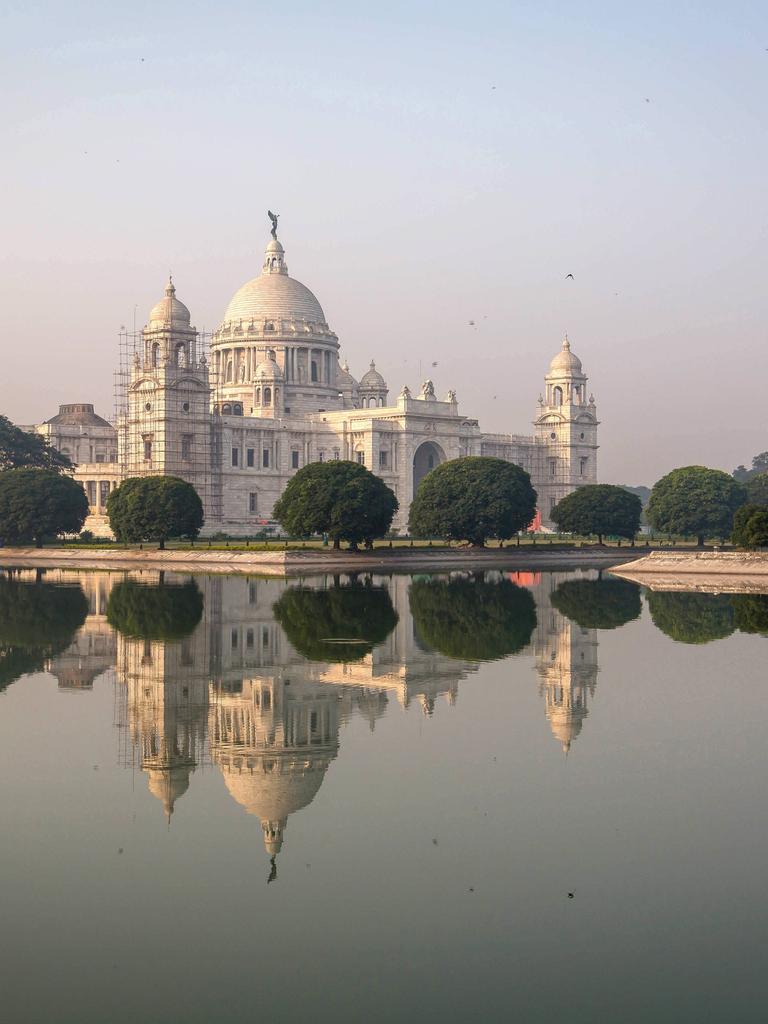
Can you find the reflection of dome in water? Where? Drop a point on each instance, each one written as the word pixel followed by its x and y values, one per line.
pixel 168 784
pixel 274 786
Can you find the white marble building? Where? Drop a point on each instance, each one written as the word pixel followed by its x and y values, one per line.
pixel 272 396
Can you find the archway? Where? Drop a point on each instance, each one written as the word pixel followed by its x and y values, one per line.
pixel 427 456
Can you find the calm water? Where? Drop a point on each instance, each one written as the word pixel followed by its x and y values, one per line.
pixel 531 797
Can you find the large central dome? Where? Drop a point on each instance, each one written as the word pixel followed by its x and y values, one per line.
pixel 273 295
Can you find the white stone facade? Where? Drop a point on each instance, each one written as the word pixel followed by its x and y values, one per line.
pixel 273 396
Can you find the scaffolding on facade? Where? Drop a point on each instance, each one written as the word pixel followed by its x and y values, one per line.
pixel 165 391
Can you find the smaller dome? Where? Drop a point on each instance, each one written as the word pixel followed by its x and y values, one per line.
pixel 170 310
pixel 268 367
pixel 565 361
pixel 344 377
pixel 372 378
pixel 274 246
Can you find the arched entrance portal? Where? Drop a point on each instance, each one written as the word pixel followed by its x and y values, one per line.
pixel 427 457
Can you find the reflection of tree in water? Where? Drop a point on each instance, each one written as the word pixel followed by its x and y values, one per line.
pixel 750 613
pixel 37 621
pixel 316 620
pixel 471 618
pixel 598 604
pixel 162 611
pixel 692 618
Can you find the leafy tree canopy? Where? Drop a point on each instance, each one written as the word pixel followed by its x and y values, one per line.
pixel 757 489
pixel 473 498
pixel 154 508
pixel 598 604
pixel 37 622
pixel 695 501
pixel 341 624
pixel 599 509
pixel 340 498
pixel 691 618
pixel 759 465
pixel 162 611
pixel 641 491
pixel 39 503
pixel 750 527
pixel 20 449
pixel 471 618
pixel 751 613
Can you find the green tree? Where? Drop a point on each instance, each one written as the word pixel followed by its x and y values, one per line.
pixel 154 508
pixel 691 618
pixel 750 527
pixel 757 489
pixel 599 509
pixel 759 465
pixel 39 503
pixel 340 624
pixel 37 621
pixel 473 498
pixel 163 611
pixel 695 501
pixel 472 618
pixel 20 449
pixel 340 498
pixel 750 613
pixel 598 604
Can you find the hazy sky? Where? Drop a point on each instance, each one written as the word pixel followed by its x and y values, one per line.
pixel 433 163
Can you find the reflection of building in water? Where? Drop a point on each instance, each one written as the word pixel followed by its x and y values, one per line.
pixel 566 663
pixel 92 651
pixel 271 717
pixel 163 710
pixel 274 741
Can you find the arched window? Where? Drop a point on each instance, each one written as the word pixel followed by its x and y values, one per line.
pixel 155 353
pixel 314 371
pixel 181 355
pixel 226 409
pixel 557 395
pixel 237 409
pixel 258 396
pixel 230 371
pixel 275 396
pixel 267 396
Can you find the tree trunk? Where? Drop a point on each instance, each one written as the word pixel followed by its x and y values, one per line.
pixel 161 545
pixel 700 540
pixel 600 539
pixel 336 544
pixel 38 542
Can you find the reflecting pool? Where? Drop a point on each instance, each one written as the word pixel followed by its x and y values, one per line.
pixel 509 796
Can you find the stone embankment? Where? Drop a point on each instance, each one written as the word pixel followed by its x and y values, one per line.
pixel 303 563
pixel 706 571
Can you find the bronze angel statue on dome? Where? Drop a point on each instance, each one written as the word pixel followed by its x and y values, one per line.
pixel 273 217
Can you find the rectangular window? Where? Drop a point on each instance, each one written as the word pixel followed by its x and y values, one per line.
pixel 91 491
pixel 582 465
pixel 321 456
pixel 294 460
pixel 360 457
pixel 336 453
pixel 235 456
pixel 552 503
pixel 265 458
pixel 252 502
pixel 186 446
pixel 235 639
pixel 249 638
pixel 249 457
pixel 103 492
pixel 552 465
pixel 252 593
pixel 147 451
pixel 383 460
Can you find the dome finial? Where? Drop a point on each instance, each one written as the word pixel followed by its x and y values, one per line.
pixel 170 289
pixel 566 343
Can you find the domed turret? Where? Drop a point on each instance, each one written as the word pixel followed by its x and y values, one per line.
pixel 169 310
pixel 373 388
pixel 565 362
pixel 348 387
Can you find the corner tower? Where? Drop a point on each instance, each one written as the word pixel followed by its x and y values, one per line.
pixel 566 432
pixel 167 431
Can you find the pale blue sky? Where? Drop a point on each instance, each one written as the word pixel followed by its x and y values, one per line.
pixel 433 163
